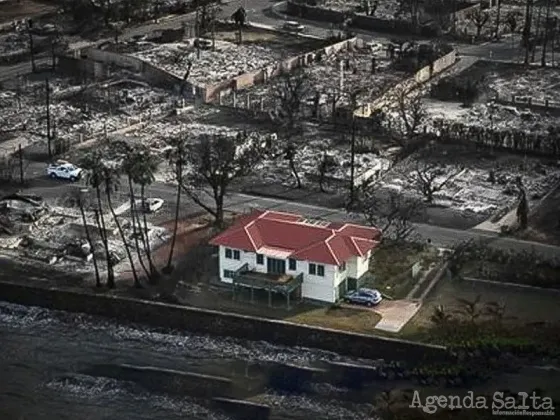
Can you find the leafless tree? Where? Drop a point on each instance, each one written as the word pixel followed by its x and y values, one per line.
pixel 292 89
pixel 479 18
pixel 430 178
pixel 412 7
pixel 522 211
pixel 324 167
pixel 290 154
pixel 528 42
pixel 512 21
pixel 411 111
pixel 212 163
pixel 389 211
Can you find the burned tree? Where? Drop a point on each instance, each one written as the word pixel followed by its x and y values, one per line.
pixel 412 7
pixel 522 211
pixel 388 210
pixel 411 111
pixel 290 154
pixel 292 89
pixel 479 19
pixel 212 163
pixel 239 17
pixel 430 178
pixel 512 19
pixel 326 165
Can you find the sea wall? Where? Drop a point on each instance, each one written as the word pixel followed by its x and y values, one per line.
pixel 204 321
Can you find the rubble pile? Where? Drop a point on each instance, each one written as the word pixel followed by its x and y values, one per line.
pixel 225 62
pixel 324 80
pixel 384 10
pixel 483 187
pixel 495 116
pixel 14 43
pixel 77 111
pixel 56 235
pixel 537 83
pixel 310 149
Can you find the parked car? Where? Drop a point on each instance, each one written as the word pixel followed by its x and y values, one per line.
pixel 293 26
pixel 151 205
pixel 368 297
pixel 64 170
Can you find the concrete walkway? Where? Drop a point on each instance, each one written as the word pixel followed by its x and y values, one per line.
pixel 396 314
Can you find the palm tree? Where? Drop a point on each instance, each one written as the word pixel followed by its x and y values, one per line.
pixel 130 163
pixel 80 200
pixel 92 163
pixel 471 308
pixel 142 173
pixel 440 316
pixel 177 160
pixel 111 175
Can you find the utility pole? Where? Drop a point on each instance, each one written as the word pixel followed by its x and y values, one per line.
pixel 29 26
pixel 48 98
pixel 21 176
pixel 498 18
pixel 197 33
pixel 352 161
pixel 53 64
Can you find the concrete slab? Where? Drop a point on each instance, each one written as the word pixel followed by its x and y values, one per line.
pixel 395 314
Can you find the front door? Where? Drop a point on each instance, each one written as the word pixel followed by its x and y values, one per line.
pixel 275 266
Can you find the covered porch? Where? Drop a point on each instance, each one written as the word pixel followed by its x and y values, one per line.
pixel 283 284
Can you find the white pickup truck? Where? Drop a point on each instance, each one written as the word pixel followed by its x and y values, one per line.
pixel 64 170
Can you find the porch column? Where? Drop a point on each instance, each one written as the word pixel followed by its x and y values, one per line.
pixel 269 298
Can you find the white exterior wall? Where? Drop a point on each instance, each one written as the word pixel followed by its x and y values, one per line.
pixel 317 287
pixel 362 265
pixel 313 287
pixel 231 264
pixel 352 267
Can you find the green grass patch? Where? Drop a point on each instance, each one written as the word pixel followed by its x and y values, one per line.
pixel 338 318
pixel 391 267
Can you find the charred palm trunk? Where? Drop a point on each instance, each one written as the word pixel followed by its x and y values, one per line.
pixel 153 272
pixel 103 231
pixel 88 237
pixel 133 212
pixel 176 224
pixel 122 235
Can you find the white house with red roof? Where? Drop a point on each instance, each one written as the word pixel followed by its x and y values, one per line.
pixel 283 252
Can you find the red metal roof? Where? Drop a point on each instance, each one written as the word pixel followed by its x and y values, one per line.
pixel 321 242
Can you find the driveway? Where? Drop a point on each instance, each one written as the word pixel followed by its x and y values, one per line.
pixel 395 314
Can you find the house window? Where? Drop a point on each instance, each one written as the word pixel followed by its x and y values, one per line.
pixel 321 270
pixel 342 267
pixel 229 253
pixel 228 274
pixel 260 259
pixel 312 269
pixel 236 255
pixel 292 264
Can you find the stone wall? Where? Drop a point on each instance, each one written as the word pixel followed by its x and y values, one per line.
pixel 421 76
pixel 205 321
